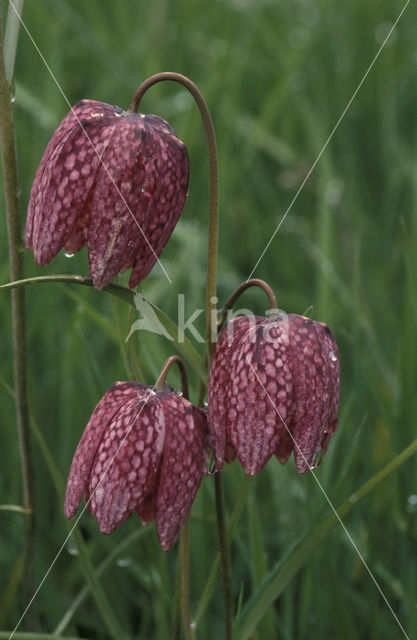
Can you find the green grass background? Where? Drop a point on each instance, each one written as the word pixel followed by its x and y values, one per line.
pixel 277 76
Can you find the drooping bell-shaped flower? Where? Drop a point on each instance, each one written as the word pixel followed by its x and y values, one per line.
pixel 113 180
pixel 142 451
pixel 273 389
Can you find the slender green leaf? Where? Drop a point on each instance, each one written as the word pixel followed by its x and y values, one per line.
pixel 157 318
pixel 15 508
pixel 35 636
pixel 12 36
pixel 159 322
pixel 285 570
pixel 89 573
pixel 107 562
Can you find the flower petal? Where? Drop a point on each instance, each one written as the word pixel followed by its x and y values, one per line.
pixel 261 393
pixel 182 466
pixel 219 393
pixel 81 112
pixel 312 392
pixel 120 202
pixel 66 197
pixel 127 462
pixel 167 193
pixel 85 453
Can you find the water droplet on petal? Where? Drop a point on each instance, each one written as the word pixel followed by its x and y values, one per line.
pixel 145 192
pixel 177 392
pixel 67 254
pixel 333 356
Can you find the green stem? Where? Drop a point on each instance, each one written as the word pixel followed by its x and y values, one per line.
pixel 185 580
pixel 11 190
pixel 160 384
pixel 184 547
pixel 211 299
pixel 211 580
pixel 225 558
pixel 254 282
pixel 133 355
pixel 122 342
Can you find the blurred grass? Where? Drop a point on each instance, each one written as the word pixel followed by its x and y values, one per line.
pixel 277 76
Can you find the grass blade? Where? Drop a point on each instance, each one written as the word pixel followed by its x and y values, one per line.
pixel 284 571
pixel 11 37
pixel 176 336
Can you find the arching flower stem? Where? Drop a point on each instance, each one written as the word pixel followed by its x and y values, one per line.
pixel 211 299
pixel 160 384
pixel 214 191
pixel 254 282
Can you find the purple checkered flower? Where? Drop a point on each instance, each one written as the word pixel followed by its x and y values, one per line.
pixel 142 451
pixel 273 389
pixel 113 180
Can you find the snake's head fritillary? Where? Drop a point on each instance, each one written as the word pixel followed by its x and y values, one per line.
pixel 273 389
pixel 142 451
pixel 113 180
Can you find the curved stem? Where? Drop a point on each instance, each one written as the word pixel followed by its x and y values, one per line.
pixel 11 189
pixel 255 282
pixel 211 299
pixel 160 384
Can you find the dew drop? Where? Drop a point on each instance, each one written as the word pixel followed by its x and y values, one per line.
pixel 333 356
pixel 124 562
pixel 412 504
pixel 177 392
pixel 71 548
pixel 67 254
pixel 13 100
pixel 144 191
